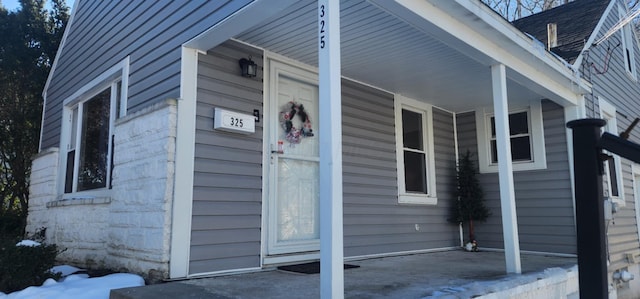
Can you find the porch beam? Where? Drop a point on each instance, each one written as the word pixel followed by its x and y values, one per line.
pixel 540 73
pixel 505 170
pixel 330 130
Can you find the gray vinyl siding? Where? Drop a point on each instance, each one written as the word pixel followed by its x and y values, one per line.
pixel 103 33
pixel 227 184
pixel 544 204
pixel 619 89
pixel 374 222
pixel 227 191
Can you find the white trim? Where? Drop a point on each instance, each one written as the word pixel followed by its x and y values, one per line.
pixel 534 252
pixel 635 171
pixel 572 113
pixel 330 118
pixel 594 33
pixel 246 17
pixel 537 70
pixel 400 103
pixel 271 260
pixel 65 34
pixel 124 90
pixel 627 38
pixel 399 253
pixel 119 70
pixel 608 112
pixel 505 170
pixel 184 165
pixel 220 273
pixel 538 151
pixel 273 72
pixel 107 79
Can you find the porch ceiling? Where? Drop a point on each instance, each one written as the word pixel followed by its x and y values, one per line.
pixel 384 51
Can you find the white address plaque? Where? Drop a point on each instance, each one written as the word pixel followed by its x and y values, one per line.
pixel 230 121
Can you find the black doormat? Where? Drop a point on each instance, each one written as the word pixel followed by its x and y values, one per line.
pixel 309 268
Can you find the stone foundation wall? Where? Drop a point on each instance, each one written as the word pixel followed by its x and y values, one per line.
pixel 129 229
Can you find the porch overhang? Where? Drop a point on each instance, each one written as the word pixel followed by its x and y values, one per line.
pixel 436 51
pixel 440 52
pixel 491 40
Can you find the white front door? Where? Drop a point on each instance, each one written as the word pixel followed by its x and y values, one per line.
pixel 293 200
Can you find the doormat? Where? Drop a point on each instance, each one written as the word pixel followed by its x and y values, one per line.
pixel 309 268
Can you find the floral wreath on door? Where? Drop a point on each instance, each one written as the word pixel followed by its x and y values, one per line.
pixel 293 134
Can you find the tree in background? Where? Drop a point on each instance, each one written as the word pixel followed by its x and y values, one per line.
pixel 28 44
pixel 516 9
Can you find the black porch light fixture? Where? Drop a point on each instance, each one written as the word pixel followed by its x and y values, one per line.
pixel 248 67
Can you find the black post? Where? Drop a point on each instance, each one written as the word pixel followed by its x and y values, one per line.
pixel 592 257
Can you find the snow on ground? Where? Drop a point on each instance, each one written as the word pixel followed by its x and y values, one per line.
pixel 74 286
pixel 479 288
pixel 78 286
pixel 28 243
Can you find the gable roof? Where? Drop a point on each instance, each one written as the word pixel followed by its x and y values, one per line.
pixel 575 23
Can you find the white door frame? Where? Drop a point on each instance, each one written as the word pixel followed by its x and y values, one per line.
pixel 275 65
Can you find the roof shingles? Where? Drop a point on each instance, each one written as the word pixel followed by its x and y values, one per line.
pixel 575 23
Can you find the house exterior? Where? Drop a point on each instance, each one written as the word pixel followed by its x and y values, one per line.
pixel 610 66
pixel 146 164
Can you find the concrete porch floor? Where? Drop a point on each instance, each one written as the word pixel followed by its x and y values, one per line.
pixel 408 276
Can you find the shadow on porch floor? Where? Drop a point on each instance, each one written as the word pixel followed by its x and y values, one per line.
pixel 409 276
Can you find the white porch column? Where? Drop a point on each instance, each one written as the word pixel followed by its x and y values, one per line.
pixel 330 130
pixel 505 169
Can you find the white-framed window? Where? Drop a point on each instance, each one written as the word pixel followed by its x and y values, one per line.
pixel 628 41
pixel 612 167
pixel 415 152
pixel 87 133
pixel 526 135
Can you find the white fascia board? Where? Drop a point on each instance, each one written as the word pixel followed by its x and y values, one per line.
pixel 249 16
pixel 594 33
pixel 524 42
pixel 505 45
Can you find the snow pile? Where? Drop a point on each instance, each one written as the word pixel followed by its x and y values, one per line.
pixel 477 289
pixel 79 286
pixel 75 286
pixel 28 243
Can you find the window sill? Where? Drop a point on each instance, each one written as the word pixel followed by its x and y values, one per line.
pixel 416 199
pixel 75 201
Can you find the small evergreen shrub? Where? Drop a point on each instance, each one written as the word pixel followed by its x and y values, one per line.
pixel 24 266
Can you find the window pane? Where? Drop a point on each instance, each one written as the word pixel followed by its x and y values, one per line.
pixel 521 149
pixel 518 123
pixel 118 100
pixel 415 176
pixel 412 130
pixel 493 127
pixel 494 152
pixel 68 180
pixel 613 178
pixel 92 172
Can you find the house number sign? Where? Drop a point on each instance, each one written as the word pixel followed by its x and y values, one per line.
pixel 229 121
pixel 321 35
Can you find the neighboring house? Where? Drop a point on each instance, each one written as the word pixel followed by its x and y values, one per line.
pixel 133 174
pixel 611 67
